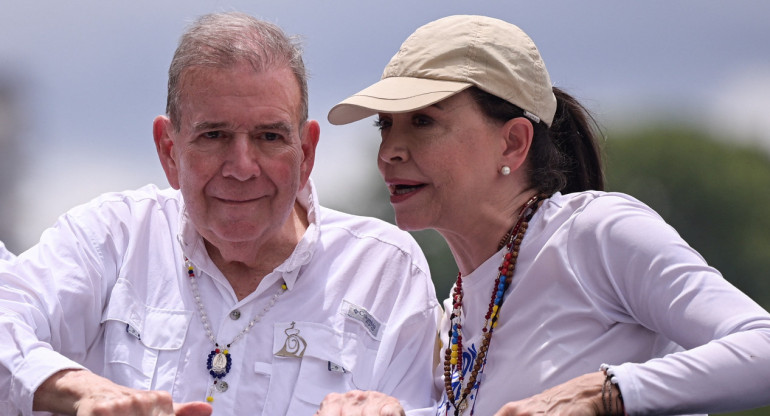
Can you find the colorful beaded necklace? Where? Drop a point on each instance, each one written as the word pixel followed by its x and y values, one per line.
pixel 218 362
pixel 453 355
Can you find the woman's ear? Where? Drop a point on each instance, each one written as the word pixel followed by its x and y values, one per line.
pixel 162 131
pixel 517 137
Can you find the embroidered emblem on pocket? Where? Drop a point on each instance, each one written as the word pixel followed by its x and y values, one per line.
pixel 294 346
pixel 362 315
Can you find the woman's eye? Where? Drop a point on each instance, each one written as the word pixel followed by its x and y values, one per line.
pixel 421 120
pixel 382 123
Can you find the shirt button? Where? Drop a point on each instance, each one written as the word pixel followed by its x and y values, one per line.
pixel 235 315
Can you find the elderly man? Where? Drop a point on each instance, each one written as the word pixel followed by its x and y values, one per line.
pixel 233 292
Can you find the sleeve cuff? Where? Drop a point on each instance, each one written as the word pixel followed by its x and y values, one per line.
pixel 37 367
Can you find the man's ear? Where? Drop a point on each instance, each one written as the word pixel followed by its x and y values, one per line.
pixel 517 138
pixel 162 132
pixel 311 132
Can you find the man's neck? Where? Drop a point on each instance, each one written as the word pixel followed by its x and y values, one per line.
pixel 246 264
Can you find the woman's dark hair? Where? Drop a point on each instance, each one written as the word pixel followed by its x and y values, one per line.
pixel 565 157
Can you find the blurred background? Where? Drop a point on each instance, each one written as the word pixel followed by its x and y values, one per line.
pixel 681 90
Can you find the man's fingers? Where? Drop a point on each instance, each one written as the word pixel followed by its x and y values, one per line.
pixel 392 410
pixel 360 403
pixel 331 405
pixel 193 409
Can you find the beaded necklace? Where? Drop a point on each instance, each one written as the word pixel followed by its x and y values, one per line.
pixel 219 362
pixel 453 355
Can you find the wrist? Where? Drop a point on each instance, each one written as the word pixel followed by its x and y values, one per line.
pixel 61 392
pixel 612 398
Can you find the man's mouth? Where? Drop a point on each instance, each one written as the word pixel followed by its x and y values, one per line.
pixel 236 201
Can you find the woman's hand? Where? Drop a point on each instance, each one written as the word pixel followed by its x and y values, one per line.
pixel 581 396
pixel 82 393
pixel 360 403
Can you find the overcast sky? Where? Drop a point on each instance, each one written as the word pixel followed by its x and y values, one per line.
pixel 91 75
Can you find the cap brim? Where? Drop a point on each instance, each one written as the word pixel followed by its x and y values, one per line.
pixel 394 95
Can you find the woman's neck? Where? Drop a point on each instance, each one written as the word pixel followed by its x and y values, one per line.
pixel 478 238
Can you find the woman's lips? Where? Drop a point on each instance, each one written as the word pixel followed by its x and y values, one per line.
pixel 402 191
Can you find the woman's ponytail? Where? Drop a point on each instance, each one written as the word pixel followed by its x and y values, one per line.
pixel 575 134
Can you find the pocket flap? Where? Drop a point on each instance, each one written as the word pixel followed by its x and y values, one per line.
pixel 161 329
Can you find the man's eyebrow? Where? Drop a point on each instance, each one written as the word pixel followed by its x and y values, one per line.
pixel 209 125
pixel 279 126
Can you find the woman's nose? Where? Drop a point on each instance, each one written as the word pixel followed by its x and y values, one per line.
pixel 392 150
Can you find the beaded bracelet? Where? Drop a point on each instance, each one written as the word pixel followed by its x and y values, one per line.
pixel 612 406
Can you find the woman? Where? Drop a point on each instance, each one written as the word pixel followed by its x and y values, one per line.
pixel 569 300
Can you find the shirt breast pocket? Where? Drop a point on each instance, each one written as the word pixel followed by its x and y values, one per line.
pixel 317 360
pixel 138 337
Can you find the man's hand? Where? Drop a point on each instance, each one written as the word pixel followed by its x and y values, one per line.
pixel 82 393
pixel 360 403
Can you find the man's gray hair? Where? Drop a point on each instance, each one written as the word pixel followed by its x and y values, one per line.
pixel 221 40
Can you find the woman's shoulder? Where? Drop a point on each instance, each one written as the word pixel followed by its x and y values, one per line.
pixel 595 199
pixel 597 204
pixel 596 212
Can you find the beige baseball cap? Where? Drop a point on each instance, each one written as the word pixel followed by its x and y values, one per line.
pixel 449 55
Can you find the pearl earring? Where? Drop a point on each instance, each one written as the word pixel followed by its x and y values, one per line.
pixel 505 170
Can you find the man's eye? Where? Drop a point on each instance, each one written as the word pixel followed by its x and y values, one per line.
pixel 271 137
pixel 213 134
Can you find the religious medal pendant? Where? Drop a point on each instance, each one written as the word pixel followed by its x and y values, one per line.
pixel 218 363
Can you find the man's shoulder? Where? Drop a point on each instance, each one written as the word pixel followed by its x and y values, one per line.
pixel 366 227
pixel 146 194
pixel 131 203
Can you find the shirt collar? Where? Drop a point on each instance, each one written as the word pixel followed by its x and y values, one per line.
pixel 193 247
